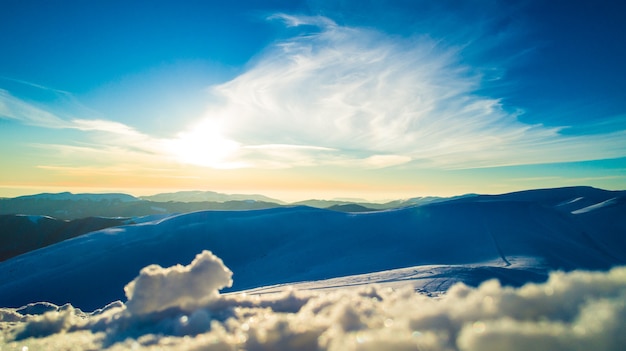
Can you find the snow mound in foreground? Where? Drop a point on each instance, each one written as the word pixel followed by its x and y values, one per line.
pixel 179 308
pixel 185 287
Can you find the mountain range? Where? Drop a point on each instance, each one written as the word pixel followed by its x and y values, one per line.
pixel 207 196
pixel 33 221
pixel 73 206
pixel 518 237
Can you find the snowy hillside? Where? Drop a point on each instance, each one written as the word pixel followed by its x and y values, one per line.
pixel 526 233
pixel 518 238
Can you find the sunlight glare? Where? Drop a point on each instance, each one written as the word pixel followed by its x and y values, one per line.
pixel 204 145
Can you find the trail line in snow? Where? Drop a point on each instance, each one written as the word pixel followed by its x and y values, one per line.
pixel 495 242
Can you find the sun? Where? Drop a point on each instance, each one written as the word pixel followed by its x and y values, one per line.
pixel 205 145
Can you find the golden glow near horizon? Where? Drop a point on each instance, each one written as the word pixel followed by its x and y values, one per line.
pixel 294 184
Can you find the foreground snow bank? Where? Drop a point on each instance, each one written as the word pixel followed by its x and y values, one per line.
pixel 187 288
pixel 179 308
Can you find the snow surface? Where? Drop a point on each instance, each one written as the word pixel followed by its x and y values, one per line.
pixel 311 279
pixel 571 311
pixel 432 280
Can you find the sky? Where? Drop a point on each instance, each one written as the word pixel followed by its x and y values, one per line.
pixel 311 99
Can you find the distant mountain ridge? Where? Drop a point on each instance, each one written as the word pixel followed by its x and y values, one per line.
pixel 75 209
pixel 77 197
pixel 70 206
pixel 55 213
pixel 207 196
pixel 365 205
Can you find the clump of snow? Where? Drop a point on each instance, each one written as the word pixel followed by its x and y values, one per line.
pixel 179 308
pixel 49 323
pixel 186 287
pixel 37 308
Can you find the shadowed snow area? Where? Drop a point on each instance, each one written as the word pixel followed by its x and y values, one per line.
pixel 571 311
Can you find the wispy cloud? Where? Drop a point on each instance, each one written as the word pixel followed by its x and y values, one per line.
pixel 295 21
pixel 37 86
pixel 103 126
pixel 123 170
pixel 379 100
pixel 87 170
pixel 103 141
pixel 14 108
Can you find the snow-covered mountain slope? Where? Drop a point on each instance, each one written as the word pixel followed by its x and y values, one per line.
pixel 567 199
pixel 432 280
pixel 513 233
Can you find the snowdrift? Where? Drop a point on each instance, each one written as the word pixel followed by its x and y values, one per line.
pixel 180 308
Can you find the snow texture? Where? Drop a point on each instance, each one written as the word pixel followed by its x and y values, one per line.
pixel 186 287
pixel 579 310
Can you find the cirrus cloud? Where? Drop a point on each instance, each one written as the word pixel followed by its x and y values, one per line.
pixel 378 101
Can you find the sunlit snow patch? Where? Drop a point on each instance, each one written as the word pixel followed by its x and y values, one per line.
pixel 595 206
pixel 568 202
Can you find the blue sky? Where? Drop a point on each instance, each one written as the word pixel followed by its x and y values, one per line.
pixel 376 99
